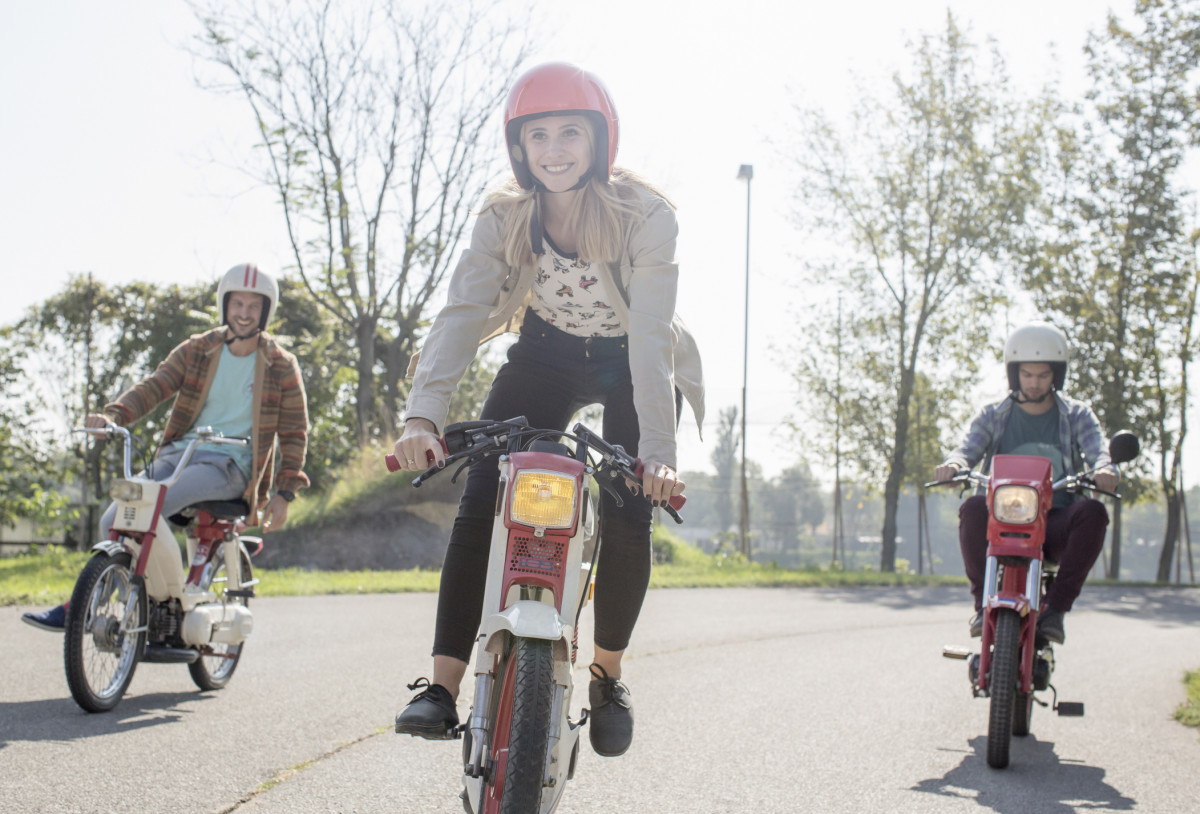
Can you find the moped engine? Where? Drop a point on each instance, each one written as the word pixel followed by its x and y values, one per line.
pixel 226 624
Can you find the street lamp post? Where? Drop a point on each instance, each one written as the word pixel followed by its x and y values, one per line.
pixel 746 171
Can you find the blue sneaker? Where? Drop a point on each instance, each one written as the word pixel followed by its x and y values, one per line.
pixel 53 620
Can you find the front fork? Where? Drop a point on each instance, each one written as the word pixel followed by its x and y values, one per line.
pixel 1027 603
pixel 478 724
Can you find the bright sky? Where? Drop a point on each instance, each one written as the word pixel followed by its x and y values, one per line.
pixel 120 165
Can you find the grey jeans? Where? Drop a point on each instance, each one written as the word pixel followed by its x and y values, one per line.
pixel 208 476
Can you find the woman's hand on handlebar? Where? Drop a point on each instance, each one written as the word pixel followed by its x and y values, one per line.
pixel 660 483
pixel 419 447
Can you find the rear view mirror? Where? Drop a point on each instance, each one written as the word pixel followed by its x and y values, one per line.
pixel 1123 447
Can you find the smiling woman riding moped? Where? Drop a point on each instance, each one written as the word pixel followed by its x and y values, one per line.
pixel 579 257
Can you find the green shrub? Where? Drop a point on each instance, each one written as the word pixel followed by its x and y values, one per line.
pixel 1188 713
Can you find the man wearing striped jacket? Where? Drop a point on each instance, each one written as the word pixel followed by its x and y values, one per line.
pixel 236 379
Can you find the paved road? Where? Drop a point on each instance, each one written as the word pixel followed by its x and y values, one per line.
pixel 747 701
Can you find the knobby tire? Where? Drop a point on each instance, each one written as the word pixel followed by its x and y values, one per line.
pixel 1002 687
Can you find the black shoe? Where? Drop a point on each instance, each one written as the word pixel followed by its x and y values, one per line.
pixel 976 624
pixel 1050 625
pixel 611 717
pixel 431 714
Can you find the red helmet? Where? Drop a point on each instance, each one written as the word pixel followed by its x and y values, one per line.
pixel 558 88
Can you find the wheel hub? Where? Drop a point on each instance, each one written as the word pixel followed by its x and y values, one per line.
pixel 106 633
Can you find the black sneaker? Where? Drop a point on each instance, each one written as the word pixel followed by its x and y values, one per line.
pixel 611 717
pixel 1050 625
pixel 976 624
pixel 430 715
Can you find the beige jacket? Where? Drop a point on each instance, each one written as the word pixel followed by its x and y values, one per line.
pixel 487 298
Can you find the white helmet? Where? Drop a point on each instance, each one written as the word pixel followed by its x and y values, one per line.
pixel 1037 342
pixel 247 277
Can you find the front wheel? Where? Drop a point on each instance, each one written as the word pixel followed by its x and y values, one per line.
pixel 1002 687
pixel 217 661
pixel 99 651
pixel 521 732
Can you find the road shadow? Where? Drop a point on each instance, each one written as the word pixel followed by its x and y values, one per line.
pixel 60 719
pixel 1165 605
pixel 1035 782
pixel 905 597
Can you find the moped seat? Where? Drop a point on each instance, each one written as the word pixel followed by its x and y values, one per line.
pixel 224 509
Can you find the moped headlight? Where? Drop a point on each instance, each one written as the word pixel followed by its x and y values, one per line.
pixel 125 490
pixel 543 499
pixel 1015 504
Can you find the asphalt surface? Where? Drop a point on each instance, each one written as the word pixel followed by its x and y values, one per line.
pixel 746 700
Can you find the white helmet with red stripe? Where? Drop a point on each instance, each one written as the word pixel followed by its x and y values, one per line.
pixel 247 277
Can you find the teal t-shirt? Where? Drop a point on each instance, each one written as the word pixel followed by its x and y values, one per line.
pixel 229 407
pixel 1026 434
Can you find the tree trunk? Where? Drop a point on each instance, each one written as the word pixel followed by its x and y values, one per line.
pixel 891 492
pixel 396 366
pixel 891 499
pixel 365 393
pixel 1170 535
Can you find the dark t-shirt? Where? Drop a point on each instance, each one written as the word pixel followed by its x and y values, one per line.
pixel 1026 434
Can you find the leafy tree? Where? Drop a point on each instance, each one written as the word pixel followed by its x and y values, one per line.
pixel 724 458
pixel 376 125
pixel 925 190
pixel 792 502
pixel 30 486
pixel 1114 262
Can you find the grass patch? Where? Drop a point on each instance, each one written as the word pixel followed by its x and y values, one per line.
pixel 1188 713
pixel 43 576
pixel 302 582
pixel 359 480
pixel 46 576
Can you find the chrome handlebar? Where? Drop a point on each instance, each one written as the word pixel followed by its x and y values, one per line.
pixel 205 435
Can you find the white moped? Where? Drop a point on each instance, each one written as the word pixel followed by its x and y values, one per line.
pixel 136 601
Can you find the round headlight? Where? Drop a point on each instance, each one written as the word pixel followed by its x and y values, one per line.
pixel 1015 504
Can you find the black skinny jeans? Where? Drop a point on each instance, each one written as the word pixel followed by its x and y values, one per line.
pixel 549 376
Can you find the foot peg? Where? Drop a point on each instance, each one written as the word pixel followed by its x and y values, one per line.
pixel 954 652
pixel 1069 709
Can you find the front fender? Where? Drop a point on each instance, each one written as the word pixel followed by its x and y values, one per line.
pixel 110 547
pixel 527 619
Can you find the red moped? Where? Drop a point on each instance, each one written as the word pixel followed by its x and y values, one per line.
pixel 520 743
pixel 1013 661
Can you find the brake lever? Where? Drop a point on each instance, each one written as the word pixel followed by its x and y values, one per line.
pixel 1082 482
pixel 608 484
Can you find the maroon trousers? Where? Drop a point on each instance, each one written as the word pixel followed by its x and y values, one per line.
pixel 1074 539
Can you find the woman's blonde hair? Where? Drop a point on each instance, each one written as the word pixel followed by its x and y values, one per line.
pixel 598 218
